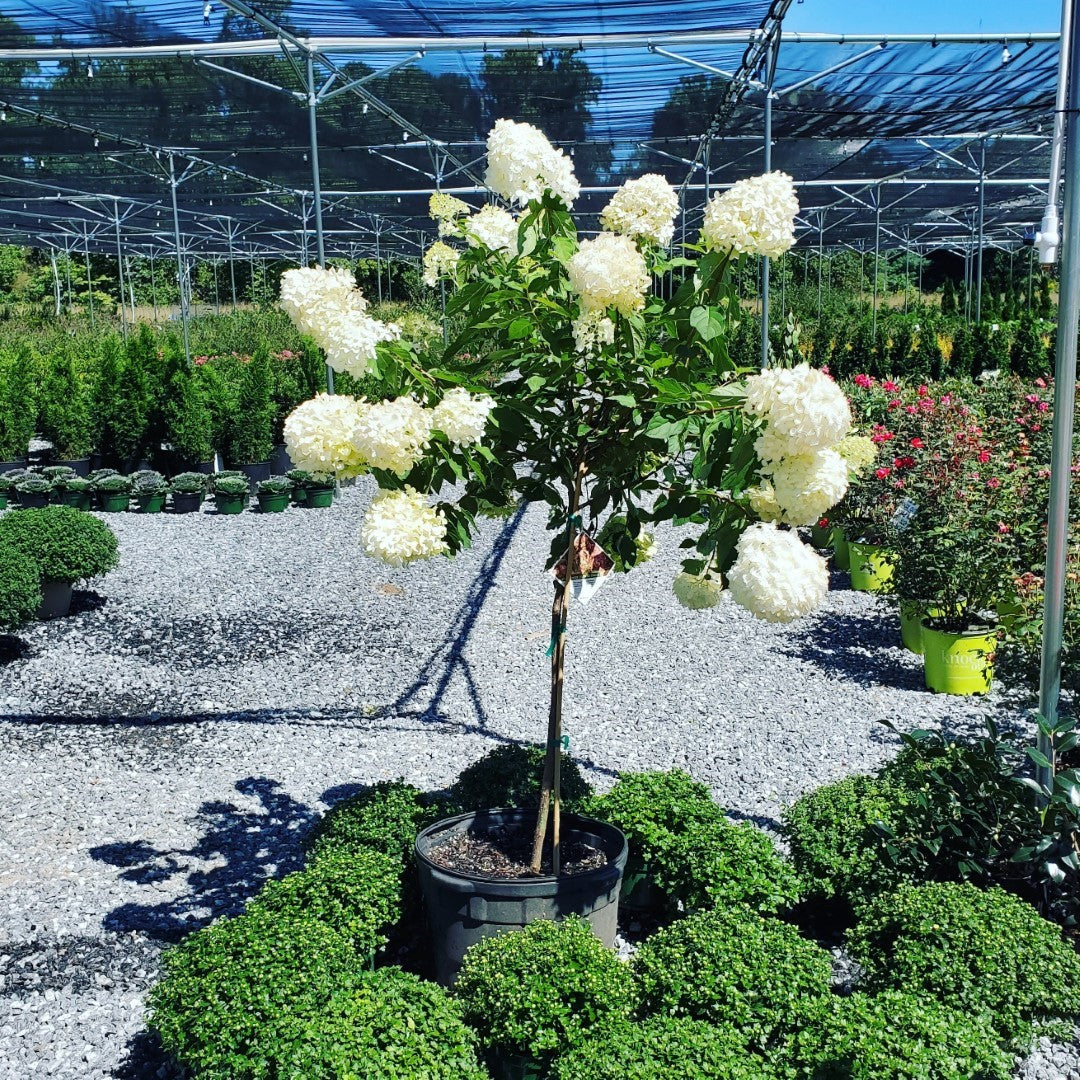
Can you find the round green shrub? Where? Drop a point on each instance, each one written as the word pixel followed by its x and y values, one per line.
pixel 64 544
pixel 358 894
pixel 511 775
pixel 236 998
pixel 540 990
pixel 894 1035
pixel 389 1026
pixel 731 966
pixel 20 589
pixel 662 1048
pixel 981 951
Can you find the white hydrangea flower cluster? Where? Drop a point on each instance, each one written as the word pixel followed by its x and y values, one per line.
pixel 439 262
pixel 859 451
pixel 696 592
pixel 400 528
pixel 763 502
pixel 805 486
pixel 493 228
pixel 803 408
pixel 462 416
pixel 644 209
pixel 755 216
pixel 393 435
pixel 592 331
pixel 775 576
pixel 609 271
pixel 326 305
pixel 320 435
pixel 446 210
pixel 522 164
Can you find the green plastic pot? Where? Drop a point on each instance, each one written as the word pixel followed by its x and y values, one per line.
pixel 149 504
pixel 3 499
pixel 506 1065
pixel 958 663
pixel 820 535
pixel 840 549
pixel 112 502
pixel 871 567
pixel 230 504
pixel 79 499
pixel 319 497
pixel 299 494
pixel 911 616
pixel 273 502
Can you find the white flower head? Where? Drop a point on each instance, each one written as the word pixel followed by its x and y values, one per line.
pixel 609 271
pixel 697 592
pixel 802 406
pixel 859 451
pixel 592 331
pixel 645 543
pixel 349 340
pixel 462 416
pixel 439 262
pixel 763 501
pixel 400 528
pixel 393 435
pixel 522 165
pixel 493 228
pixel 755 216
pixel 447 211
pixel 643 209
pixel 775 576
pixel 320 435
pixel 806 485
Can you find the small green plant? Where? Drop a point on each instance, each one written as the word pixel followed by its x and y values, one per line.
pixel 662 1048
pixel 99 474
pixel 232 487
pixel 276 485
pixel 66 418
pixel 189 483
pixel 148 483
pixel 980 951
pixel 58 472
pixel 300 478
pixel 20 589
pixel 731 966
pixel 34 484
pixel 63 543
pixel 72 483
pixel 389 1025
pixel 509 775
pixel 113 484
pixel 189 422
pixel 539 991
pixel 10 478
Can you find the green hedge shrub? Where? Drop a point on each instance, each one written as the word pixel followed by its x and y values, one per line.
pixel 188 421
pixel 893 1035
pixel 20 589
pixel 389 1026
pixel 65 409
pixel 18 404
pixel 731 966
pixel 236 998
pixel 62 542
pixel 540 990
pixel 662 1048
pixel 357 894
pixel 251 434
pixel 510 775
pixel 979 951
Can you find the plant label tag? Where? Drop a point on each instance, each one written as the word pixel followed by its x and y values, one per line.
pixel 592 568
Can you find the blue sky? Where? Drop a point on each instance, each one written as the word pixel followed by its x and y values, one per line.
pixel 925 16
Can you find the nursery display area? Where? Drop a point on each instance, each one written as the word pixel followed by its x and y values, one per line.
pixel 590 601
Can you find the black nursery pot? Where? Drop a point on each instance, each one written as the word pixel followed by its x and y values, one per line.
pixel 186 502
pixel 256 472
pixel 465 908
pixel 7 466
pixel 80 466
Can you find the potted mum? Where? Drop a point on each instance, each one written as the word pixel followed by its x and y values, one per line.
pixel 273 494
pixel 188 491
pixel 113 492
pixel 149 490
pixel 615 407
pixel 231 491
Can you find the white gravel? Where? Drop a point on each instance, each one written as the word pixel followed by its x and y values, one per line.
pixel 165 748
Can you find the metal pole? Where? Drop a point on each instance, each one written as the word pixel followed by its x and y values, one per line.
pixel 67 274
pixel 767 162
pixel 820 258
pixel 153 285
pixel 56 281
pixel 179 258
pixel 981 227
pixel 1064 394
pixel 316 190
pixel 378 266
pixel 120 270
pixel 89 277
pixel 232 267
pixel 877 258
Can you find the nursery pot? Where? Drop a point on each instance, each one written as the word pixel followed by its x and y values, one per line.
pixel 280 462
pixel 79 499
pixel 465 908
pixel 640 892
pixel 506 1065
pixel 254 473
pixel 319 497
pixel 33 500
pixel 820 535
pixel 186 502
pixel 7 466
pixel 111 502
pixel 911 615
pixel 55 599
pixel 299 494
pixel 149 504
pixel 205 467
pixel 871 567
pixel 840 549
pixel 80 466
pixel 958 663
pixel 230 504
pixel 273 502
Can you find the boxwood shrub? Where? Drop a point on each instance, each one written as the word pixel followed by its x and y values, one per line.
pixel 731 966
pixel 510 775
pixel 982 951
pixel 20 589
pixel 62 542
pixel 541 990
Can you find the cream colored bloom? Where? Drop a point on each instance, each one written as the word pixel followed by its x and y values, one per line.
pixel 609 271
pixel 859 451
pixel 592 331
pixel 439 262
pixel 801 405
pixel 350 340
pixel 775 576
pixel 446 210
pixel 763 501
pixel 696 592
pixel 644 209
pixel 462 416
pixel 400 528
pixel 807 485
pixel 393 435
pixel 320 435
pixel 645 543
pixel 493 228
pixel 754 216
pixel 522 164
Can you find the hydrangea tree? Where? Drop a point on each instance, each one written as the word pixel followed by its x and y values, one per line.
pixel 588 391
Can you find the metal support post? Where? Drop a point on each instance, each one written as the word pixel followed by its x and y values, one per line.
pixel 1064 395
pixel 820 258
pixel 232 266
pixel 770 73
pixel 153 285
pixel 179 258
pixel 120 270
pixel 89 276
pixel 316 190
pixel 981 229
pixel 57 292
pixel 877 258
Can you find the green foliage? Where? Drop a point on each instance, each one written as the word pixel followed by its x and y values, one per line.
pixel 190 483
pixel 34 484
pixel 541 990
pixel 20 589
pixel 962 358
pixel 236 999
pixel 65 408
pixel 896 1035
pixel 121 397
pixel 1028 358
pixel 662 1048
pixel 979 951
pixel 18 404
pixel 389 1025
pixel 251 435
pixel 509 775
pixel 63 543
pixel 358 894
pixel 188 420
pixel 112 484
pixel 731 966
pixel 276 485
pixel 231 487
pixel 147 482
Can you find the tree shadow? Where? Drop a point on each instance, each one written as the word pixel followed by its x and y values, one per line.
pixel 12 648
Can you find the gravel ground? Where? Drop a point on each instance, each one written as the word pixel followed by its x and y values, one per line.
pixel 166 747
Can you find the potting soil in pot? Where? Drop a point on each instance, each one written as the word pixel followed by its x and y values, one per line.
pixel 506 853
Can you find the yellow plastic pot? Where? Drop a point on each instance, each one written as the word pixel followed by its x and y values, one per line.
pixel 911 616
pixel 958 663
pixel 840 549
pixel 871 567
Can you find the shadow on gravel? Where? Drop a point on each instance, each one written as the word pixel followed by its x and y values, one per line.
pixel 84 600
pixel 12 648
pixel 863 649
pixel 146 1060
